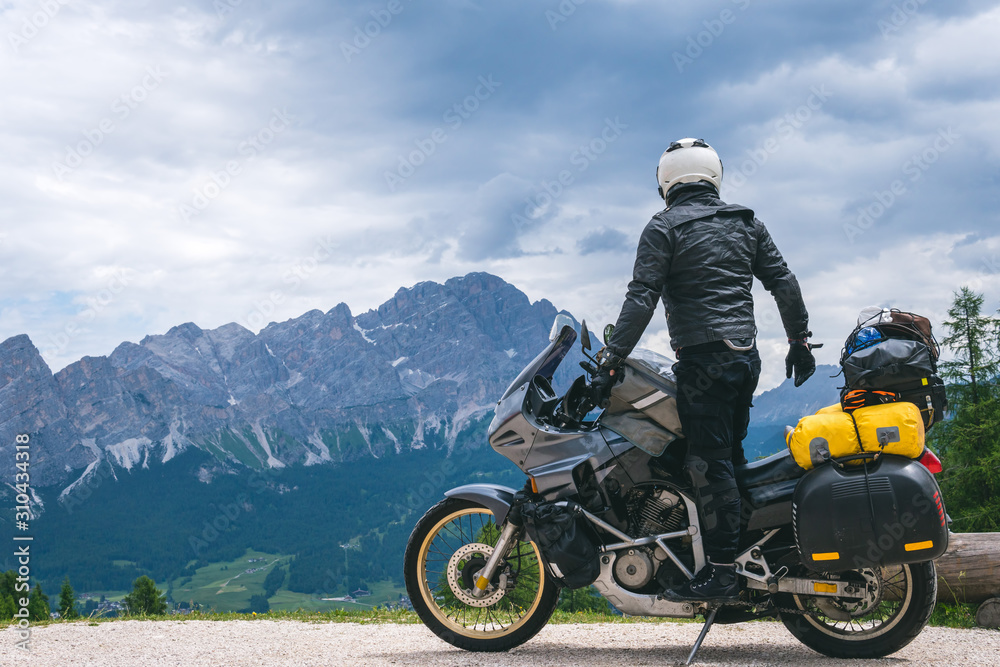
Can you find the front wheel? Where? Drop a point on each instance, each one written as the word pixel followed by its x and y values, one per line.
pixel 898 604
pixel 446 550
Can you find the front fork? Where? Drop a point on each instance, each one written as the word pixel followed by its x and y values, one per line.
pixel 507 538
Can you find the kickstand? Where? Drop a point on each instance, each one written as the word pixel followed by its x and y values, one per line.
pixel 701 637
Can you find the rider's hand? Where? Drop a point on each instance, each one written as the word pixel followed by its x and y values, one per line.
pixel 609 373
pixel 800 360
pixel 602 384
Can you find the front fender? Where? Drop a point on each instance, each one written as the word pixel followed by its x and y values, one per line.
pixel 494 497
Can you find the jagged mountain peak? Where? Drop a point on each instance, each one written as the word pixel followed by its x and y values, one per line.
pixel 22 351
pixel 319 387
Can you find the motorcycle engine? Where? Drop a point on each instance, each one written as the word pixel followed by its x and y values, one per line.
pixel 634 568
pixel 652 510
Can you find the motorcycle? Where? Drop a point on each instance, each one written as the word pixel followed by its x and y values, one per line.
pixel 482 580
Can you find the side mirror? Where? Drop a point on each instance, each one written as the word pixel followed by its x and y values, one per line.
pixel 608 332
pixel 584 335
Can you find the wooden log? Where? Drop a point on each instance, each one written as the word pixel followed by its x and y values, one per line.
pixel 988 614
pixel 970 570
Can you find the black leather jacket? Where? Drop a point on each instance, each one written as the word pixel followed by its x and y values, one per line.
pixel 700 255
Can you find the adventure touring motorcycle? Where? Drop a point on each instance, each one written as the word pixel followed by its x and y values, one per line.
pixel 841 553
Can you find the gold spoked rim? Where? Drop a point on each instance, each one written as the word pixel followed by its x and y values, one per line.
pixel 474 525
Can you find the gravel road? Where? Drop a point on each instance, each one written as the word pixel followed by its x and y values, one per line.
pixel 272 643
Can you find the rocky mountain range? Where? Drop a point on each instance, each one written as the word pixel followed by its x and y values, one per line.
pixel 194 445
pixel 415 373
pixel 323 387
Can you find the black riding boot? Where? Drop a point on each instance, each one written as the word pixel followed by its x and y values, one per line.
pixel 713 583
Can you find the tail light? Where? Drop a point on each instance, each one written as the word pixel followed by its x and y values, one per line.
pixel 930 461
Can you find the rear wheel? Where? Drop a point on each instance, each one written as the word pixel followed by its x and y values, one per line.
pixel 898 604
pixel 448 547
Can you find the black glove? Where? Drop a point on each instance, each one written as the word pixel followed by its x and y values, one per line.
pixel 800 359
pixel 601 386
pixel 609 373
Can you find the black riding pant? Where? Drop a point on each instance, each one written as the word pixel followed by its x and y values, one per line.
pixel 715 386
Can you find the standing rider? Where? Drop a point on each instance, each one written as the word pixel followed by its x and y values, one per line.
pixel 700 255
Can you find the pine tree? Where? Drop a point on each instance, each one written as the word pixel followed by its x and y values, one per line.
pixel 145 598
pixel 7 607
pixel 38 604
pixel 969 442
pixel 67 601
pixel 972 338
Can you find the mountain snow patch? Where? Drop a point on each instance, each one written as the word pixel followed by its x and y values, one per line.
pixel 392 436
pixel 413 380
pixel 271 461
pixel 364 333
pixel 324 452
pixel 128 453
pixel 174 443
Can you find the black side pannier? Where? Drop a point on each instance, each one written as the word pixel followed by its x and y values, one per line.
pixel 564 538
pixel 894 515
pixel 888 364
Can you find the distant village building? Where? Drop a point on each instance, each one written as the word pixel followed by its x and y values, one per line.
pixel 361 593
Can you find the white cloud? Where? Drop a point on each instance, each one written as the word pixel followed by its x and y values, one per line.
pixel 319 183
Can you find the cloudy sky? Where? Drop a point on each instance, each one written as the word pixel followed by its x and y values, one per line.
pixel 236 160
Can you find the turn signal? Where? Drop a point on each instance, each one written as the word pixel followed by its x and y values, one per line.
pixel 930 461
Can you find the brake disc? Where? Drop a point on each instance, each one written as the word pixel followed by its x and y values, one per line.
pixel 846 609
pixel 457 576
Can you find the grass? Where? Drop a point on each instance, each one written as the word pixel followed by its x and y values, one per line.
pixel 960 615
pixel 112 596
pixel 379 615
pixel 227 586
pixel 382 592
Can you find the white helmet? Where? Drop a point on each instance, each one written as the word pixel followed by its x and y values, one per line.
pixel 688 161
